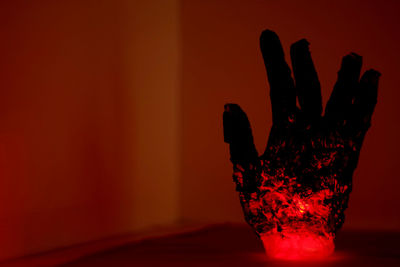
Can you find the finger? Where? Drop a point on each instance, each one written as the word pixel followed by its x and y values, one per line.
pixel 237 133
pixel 365 101
pixel 282 93
pixel 340 102
pixel 307 84
pixel 244 156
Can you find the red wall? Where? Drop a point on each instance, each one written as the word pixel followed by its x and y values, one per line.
pixel 222 63
pixel 78 136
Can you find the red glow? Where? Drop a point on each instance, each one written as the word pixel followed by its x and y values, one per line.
pixel 298 246
pixel 294 221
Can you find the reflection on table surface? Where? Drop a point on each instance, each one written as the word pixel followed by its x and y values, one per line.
pixel 237 245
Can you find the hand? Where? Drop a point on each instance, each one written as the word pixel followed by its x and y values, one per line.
pixel 294 194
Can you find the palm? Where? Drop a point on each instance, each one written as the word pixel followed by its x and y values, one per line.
pixel 301 183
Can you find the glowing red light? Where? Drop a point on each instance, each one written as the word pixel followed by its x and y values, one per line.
pixel 294 221
pixel 298 246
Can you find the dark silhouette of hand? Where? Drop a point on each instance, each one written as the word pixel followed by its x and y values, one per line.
pixel 294 194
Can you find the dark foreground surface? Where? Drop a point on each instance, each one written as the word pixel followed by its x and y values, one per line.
pixel 236 245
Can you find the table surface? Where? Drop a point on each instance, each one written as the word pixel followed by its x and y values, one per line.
pixel 237 245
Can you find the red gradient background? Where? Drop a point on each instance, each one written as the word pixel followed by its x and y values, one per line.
pixel 111 111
